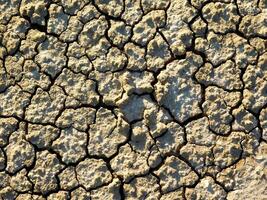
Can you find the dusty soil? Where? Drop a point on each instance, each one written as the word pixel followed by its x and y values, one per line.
pixel 133 99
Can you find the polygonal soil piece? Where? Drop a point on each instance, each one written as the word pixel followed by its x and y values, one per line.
pixel 80 90
pixel 157 119
pixel 133 107
pixel 175 173
pixel 110 86
pixel 259 44
pixel 228 150
pixel 68 179
pixel 45 106
pixel 174 195
pixel 198 150
pixel 254 25
pixel 177 32
pixel 157 53
pixel 177 91
pixel 217 106
pixel 70 34
pixel 248 7
pixel 41 135
pixel 128 164
pixel 199 157
pixel 111 191
pixel 79 118
pixel 220 48
pixel 20 153
pixel 71 145
pixel 114 60
pixel 113 8
pixel 33 77
pixel 119 33
pixel 244 120
pixel 87 13
pixel 16 31
pixel 36 10
pixel 142 143
pixel 7 127
pixel 9 8
pixel 142 188
pixel 251 142
pixel 14 65
pixel 80 194
pixel 2 160
pixel 5 79
pixel 95 29
pixel 197 132
pixel 108 131
pixel 245 53
pixel 136 57
pixel 29 197
pixel 255 95
pixel 155 158
pixel 43 174
pixel 72 7
pixel 217 48
pixel 263 123
pixel 206 189
pixel 80 65
pixel 137 82
pixel 5 180
pixel 51 56
pixel 221 17
pixel 199 27
pixel 33 39
pixel 100 50
pixel 247 178
pixel 92 173
pixel 59 195
pixel 172 140
pixel 145 30
pixel 14 101
pixel 227 75
pixel 76 50
pixel 148 5
pixel 8 193
pixel 132 11
pixel 19 182
pixel 58 20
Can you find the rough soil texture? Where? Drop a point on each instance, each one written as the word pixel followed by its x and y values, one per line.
pixel 133 99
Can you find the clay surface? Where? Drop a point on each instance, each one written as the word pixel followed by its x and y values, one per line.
pixel 133 99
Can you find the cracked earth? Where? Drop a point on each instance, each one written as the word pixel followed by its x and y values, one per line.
pixel 133 99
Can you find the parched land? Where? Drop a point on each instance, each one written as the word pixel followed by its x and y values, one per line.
pixel 133 99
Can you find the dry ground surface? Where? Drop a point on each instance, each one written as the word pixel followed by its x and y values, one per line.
pixel 133 99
